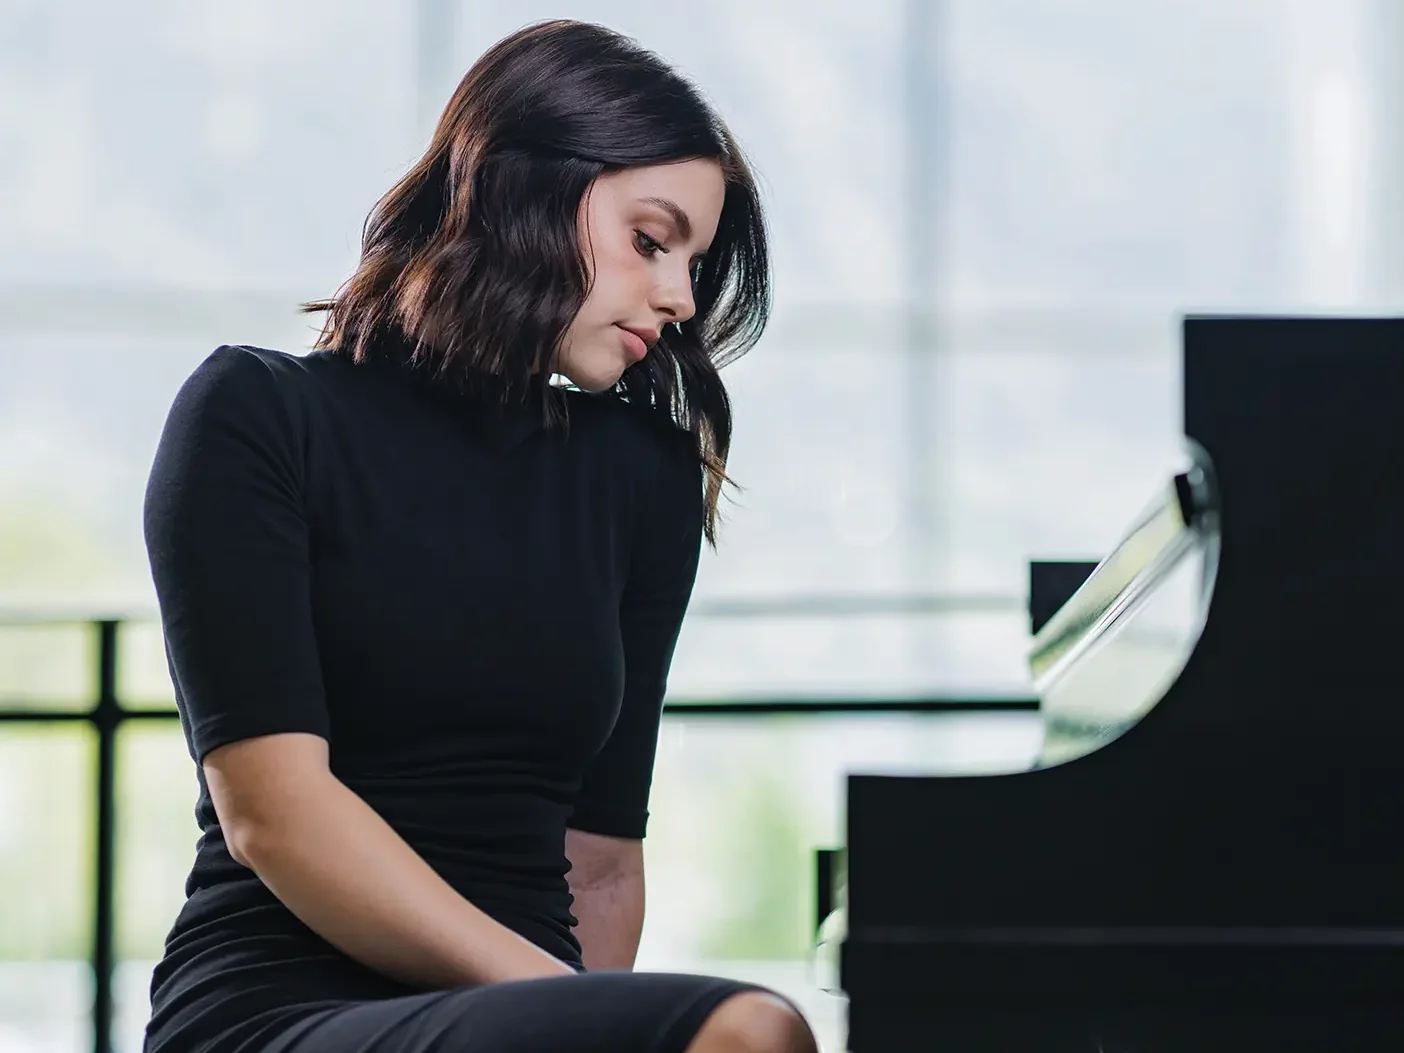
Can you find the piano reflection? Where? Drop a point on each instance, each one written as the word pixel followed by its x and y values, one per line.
pixel 1208 853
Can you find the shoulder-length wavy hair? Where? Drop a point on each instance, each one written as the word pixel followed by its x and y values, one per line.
pixel 473 261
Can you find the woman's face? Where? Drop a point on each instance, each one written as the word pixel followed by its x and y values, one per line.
pixel 643 231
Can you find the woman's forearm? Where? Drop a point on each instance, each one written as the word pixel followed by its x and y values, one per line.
pixel 345 873
pixel 610 912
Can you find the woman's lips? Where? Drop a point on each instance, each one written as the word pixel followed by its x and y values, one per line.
pixel 634 344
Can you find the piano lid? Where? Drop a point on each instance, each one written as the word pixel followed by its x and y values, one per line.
pixel 1108 655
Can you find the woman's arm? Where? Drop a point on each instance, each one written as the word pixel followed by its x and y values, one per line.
pixel 341 869
pixel 607 881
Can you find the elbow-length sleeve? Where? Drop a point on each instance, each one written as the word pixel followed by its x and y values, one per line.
pixel 228 544
pixel 613 798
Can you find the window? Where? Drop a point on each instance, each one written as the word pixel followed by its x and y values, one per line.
pixel 988 216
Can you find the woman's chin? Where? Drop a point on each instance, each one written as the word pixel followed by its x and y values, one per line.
pixel 596 380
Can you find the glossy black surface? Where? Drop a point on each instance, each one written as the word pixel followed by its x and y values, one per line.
pixel 1234 863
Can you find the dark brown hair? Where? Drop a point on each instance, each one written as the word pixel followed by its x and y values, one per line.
pixel 473 258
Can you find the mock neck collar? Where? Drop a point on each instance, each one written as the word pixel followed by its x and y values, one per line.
pixel 502 413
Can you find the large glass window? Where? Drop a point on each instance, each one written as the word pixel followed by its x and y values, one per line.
pixel 988 216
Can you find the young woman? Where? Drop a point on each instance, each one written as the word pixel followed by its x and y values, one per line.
pixel 420 601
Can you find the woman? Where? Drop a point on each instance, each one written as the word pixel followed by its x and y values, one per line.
pixel 420 602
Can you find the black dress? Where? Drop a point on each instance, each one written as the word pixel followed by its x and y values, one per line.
pixel 478 613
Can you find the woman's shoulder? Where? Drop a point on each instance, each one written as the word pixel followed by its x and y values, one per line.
pixel 242 366
pixel 241 396
pixel 257 380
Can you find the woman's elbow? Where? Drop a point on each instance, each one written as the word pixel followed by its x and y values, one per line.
pixel 596 859
pixel 258 786
pixel 244 841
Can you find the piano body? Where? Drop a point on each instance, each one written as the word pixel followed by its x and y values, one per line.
pixel 1219 865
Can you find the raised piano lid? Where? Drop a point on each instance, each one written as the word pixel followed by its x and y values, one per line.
pixel 1254 809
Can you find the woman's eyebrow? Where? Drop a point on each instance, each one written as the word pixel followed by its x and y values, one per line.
pixel 679 217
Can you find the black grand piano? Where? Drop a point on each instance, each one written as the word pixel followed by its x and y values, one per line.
pixel 1209 853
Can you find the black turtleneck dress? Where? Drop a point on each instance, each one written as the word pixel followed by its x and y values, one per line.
pixel 478 613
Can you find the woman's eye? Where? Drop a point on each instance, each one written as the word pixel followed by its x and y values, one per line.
pixel 646 244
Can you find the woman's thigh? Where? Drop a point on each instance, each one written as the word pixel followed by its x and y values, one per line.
pixel 601 1012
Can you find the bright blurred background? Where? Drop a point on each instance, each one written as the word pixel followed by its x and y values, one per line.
pixel 988 218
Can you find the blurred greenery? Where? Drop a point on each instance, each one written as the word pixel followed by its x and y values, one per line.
pixel 46 842
pixel 156 790
pixel 47 666
pixel 766 865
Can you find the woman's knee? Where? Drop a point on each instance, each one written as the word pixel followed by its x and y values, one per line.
pixel 754 1022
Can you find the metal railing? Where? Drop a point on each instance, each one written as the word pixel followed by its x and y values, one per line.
pixel 107 715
